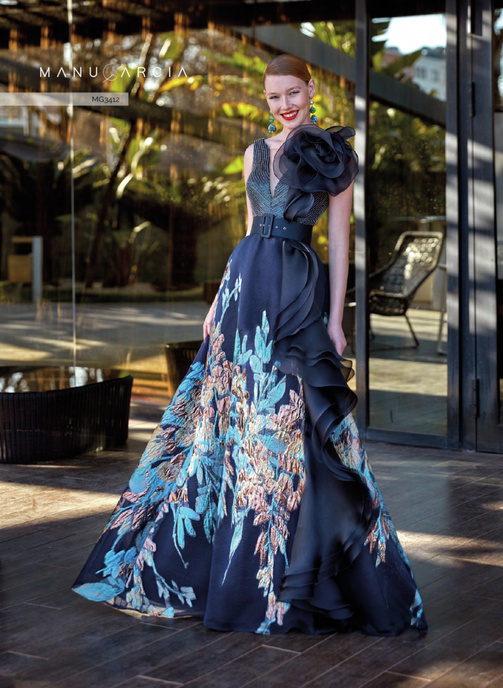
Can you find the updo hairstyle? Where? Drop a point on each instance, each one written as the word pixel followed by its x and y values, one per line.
pixel 287 65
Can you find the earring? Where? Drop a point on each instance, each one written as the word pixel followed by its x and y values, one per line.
pixel 312 110
pixel 272 127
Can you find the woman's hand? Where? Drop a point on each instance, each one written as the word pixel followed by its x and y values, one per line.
pixel 208 320
pixel 336 334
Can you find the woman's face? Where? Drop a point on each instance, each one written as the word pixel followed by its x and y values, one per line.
pixel 288 99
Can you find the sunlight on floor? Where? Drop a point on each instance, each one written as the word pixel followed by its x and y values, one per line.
pixel 451 550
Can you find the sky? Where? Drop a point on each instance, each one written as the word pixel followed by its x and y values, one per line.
pixel 411 33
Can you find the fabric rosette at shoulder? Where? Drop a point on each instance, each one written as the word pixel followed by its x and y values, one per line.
pixel 314 159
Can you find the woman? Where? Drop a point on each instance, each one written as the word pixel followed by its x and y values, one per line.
pixel 254 506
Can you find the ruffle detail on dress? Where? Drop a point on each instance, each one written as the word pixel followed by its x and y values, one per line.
pixel 314 159
pixel 337 506
pixel 303 347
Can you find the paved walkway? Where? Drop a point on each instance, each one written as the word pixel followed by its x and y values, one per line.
pixel 448 508
pixel 108 335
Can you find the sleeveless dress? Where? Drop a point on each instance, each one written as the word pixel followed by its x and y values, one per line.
pixel 253 506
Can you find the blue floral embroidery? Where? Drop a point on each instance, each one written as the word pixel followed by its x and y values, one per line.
pixel 232 441
pixel 350 450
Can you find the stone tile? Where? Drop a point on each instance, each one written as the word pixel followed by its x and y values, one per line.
pixel 432 661
pixel 15 683
pixel 250 666
pixel 390 680
pixel 61 631
pixel 69 660
pixel 121 665
pixel 14 663
pixel 186 669
pixel 295 641
pixel 142 682
pixel 315 661
pixel 359 668
pixel 481 670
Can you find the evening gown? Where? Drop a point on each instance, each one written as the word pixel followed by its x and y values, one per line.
pixel 253 506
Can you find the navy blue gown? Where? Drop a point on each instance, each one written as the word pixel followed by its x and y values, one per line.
pixel 253 506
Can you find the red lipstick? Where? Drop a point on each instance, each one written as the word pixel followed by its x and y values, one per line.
pixel 292 114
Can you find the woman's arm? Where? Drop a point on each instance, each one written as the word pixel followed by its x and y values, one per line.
pixel 339 215
pixel 247 165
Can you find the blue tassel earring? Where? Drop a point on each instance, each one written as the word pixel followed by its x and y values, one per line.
pixel 272 127
pixel 312 110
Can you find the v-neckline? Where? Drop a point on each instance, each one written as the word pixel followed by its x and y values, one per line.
pixel 272 192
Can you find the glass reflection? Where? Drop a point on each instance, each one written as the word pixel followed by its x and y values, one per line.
pixel 406 187
pixel 158 197
pixel 35 193
pixel 498 59
pixel 15 379
pixel 498 168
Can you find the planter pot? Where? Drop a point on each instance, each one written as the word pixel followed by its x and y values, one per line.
pixel 179 357
pixel 53 424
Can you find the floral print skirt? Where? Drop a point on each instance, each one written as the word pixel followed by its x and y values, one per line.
pixel 253 506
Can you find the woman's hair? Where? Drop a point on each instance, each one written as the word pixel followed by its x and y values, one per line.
pixel 287 65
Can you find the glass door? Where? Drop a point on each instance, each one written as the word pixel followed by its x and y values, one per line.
pixel 406 228
pixel 486 178
pixel 498 134
pixel 480 192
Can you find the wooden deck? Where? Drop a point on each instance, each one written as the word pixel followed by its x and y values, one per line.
pixel 447 506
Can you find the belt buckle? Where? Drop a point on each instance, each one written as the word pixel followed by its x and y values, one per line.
pixel 266 225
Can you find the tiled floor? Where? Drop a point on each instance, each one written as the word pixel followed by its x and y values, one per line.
pixel 447 506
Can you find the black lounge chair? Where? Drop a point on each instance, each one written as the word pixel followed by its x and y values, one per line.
pixel 392 287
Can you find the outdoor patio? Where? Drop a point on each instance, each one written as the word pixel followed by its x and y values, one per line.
pixel 448 508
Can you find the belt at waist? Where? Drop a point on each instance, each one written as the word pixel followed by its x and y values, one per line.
pixel 270 225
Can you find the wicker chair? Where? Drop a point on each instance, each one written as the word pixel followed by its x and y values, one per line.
pixel 392 287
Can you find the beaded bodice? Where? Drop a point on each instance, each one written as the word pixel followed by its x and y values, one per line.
pixel 259 189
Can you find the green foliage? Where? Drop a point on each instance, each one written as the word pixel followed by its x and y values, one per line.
pixel 340 35
pixel 251 66
pixel 406 175
pixel 236 166
pixel 378 29
pixel 123 80
pixel 172 48
pixel 245 112
pixel 398 68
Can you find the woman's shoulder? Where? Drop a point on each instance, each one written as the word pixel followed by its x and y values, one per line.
pixel 255 152
pixel 253 145
pixel 250 158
